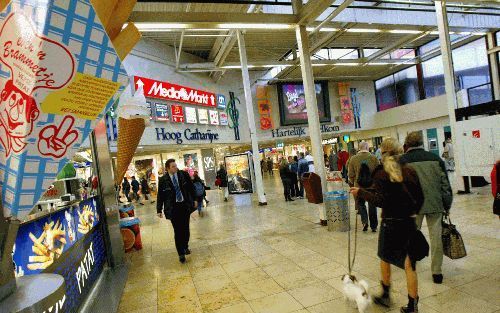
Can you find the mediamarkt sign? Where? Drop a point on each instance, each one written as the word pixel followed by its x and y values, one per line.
pixel 167 91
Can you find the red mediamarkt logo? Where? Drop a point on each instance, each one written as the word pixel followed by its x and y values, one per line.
pixel 165 90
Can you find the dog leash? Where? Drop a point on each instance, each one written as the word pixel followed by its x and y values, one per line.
pixel 349 264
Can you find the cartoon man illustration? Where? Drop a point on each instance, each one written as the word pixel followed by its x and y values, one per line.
pixel 18 113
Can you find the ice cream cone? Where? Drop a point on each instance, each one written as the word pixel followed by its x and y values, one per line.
pixel 133 117
pixel 129 134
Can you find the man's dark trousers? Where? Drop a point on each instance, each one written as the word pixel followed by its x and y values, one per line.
pixel 180 222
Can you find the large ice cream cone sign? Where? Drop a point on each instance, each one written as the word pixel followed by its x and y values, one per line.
pixel 133 117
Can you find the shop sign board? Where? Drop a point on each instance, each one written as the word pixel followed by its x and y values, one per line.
pixel 299 131
pixel 162 112
pixel 221 102
pixel 177 113
pixel 53 92
pixel 209 167
pixel 151 109
pixel 223 119
pixel 238 173
pixel 203 116
pixel 68 242
pixel 476 134
pixel 191 115
pixel 168 91
pixel 214 117
pixel 329 141
pixel 188 134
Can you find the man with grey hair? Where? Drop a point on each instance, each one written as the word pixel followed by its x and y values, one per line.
pixel 360 169
pixel 438 195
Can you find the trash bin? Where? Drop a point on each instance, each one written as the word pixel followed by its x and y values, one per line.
pixel 131 233
pixel 312 186
pixel 337 210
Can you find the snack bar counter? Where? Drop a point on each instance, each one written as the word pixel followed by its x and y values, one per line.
pixel 68 241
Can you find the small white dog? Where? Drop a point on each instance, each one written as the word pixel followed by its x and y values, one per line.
pixel 356 291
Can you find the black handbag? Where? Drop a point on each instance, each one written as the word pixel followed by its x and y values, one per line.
pixel 418 246
pixel 453 244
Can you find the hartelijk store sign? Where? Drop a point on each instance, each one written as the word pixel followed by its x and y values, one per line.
pixel 168 91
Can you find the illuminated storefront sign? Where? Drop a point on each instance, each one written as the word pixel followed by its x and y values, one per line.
pixel 162 112
pixel 329 141
pixel 177 114
pixel 168 91
pixel 299 131
pixel 188 134
pixel 221 102
pixel 191 116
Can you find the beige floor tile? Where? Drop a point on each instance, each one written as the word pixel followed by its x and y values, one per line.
pixel 310 260
pixel 216 300
pixel 277 269
pixel 208 273
pixel 238 308
pixel 248 276
pixel 260 289
pixel 232 257
pixel 278 303
pixel 314 293
pixel 458 302
pixel 151 309
pixel 213 284
pixel 486 289
pixel 295 279
pixel 268 259
pixel 238 266
pixel 185 306
pixel 175 293
pixel 328 270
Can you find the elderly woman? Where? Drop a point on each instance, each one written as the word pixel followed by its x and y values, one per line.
pixel 396 189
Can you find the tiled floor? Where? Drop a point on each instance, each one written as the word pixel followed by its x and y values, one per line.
pixel 275 259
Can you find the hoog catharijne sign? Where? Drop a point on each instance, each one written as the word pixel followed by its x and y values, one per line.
pixel 58 75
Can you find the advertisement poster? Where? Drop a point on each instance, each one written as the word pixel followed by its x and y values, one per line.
pixel 214 117
pixel 177 114
pixel 150 107
pixel 191 163
pixel 209 167
pixel 143 168
pixel 221 102
pixel 67 242
pixel 59 74
pixel 292 103
pixel 203 116
pixel 162 112
pixel 223 120
pixel 238 174
pixel 191 115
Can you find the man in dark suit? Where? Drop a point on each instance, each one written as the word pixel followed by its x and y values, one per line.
pixel 176 196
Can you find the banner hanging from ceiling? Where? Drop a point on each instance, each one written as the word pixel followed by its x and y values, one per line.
pixel 59 74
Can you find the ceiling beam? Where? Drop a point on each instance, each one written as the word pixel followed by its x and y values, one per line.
pixel 331 16
pixel 211 19
pixel 312 10
pixel 396 45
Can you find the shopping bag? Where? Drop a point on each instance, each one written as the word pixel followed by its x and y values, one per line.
pixel 453 244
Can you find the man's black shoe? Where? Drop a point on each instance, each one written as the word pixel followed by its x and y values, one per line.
pixel 374 230
pixel 437 278
pixel 188 252
pixel 182 259
pixel 365 227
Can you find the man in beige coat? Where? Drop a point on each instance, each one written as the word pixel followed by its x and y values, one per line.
pixel 354 170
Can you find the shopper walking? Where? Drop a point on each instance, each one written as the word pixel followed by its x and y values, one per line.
pixel 310 162
pixel 135 189
pixel 332 161
pixel 438 195
pixel 448 155
pixel 343 157
pixel 126 189
pixel 397 190
pixel 199 189
pixel 495 188
pixel 270 166
pixel 360 169
pixel 286 179
pixel 145 190
pixel 222 177
pixel 294 168
pixel 176 199
pixel 303 167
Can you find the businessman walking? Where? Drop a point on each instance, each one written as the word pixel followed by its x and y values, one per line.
pixel 176 196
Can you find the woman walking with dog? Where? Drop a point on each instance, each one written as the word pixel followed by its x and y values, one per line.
pixel 396 189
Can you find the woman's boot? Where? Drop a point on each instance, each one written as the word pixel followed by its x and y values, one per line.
pixel 412 306
pixel 384 299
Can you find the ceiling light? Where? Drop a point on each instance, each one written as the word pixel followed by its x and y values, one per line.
pixel 323 29
pixel 364 30
pixel 207 35
pixel 255 26
pixel 404 31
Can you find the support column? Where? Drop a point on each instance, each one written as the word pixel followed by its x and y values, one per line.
pixel 495 80
pixel 449 75
pixel 251 118
pixel 311 105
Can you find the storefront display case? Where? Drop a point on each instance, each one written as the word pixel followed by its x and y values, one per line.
pixel 239 173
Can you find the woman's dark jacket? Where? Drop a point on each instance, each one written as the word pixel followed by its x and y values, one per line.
pixel 222 175
pixel 286 173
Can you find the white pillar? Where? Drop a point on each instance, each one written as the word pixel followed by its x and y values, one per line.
pixel 449 73
pixel 251 118
pixel 311 104
pixel 495 79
